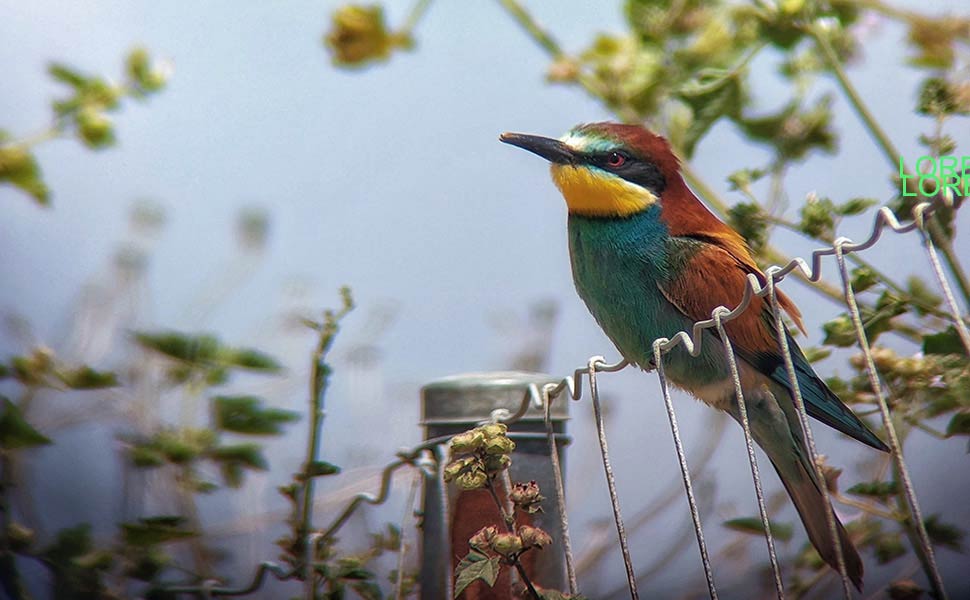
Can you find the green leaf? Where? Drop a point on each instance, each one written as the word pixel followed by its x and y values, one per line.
pixel 875 489
pixel 856 206
pixel 937 97
pixel 839 332
pixel 247 358
pixel 184 445
pixel 863 278
pixel 198 349
pixel 743 178
pixel 918 289
pixel 795 131
pixel 476 566
pixel 141 74
pixel 815 353
pixel 19 168
pixel 246 414
pixel 818 219
pixel 233 460
pixel 70 543
pixel 146 456
pixel 250 455
pixel 888 548
pixel 321 468
pixel 68 75
pixel 155 530
pixel 944 534
pixel 713 94
pixel 959 425
pixel 146 564
pixel 86 378
pixel 879 320
pixel 749 220
pixel 944 342
pixel 368 590
pixel 15 431
pixel 781 531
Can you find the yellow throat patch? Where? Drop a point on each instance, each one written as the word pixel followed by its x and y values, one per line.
pixel 591 193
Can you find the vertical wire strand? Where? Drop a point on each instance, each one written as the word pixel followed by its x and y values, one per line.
pixel 695 515
pixel 782 331
pixel 610 481
pixel 402 532
pixel 933 571
pixel 749 443
pixel 439 454
pixel 951 301
pixel 560 492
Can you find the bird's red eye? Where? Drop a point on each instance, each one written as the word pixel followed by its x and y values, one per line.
pixel 615 159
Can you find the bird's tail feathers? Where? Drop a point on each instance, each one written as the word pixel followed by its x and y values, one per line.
pixel 798 476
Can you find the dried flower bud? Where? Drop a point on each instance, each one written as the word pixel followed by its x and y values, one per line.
pixel 455 467
pixel 496 463
pixel 483 539
pixel 470 441
pixel 472 479
pixel 831 475
pixel 534 537
pixel 493 430
pixel 95 129
pixel 499 445
pixel 506 543
pixel 358 35
pixel 526 496
pixel 563 70
pixel 884 358
pixel 910 367
pixel 905 589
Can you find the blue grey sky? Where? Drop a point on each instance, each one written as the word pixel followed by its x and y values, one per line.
pixel 391 180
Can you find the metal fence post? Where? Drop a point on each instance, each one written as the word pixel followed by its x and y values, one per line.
pixel 458 403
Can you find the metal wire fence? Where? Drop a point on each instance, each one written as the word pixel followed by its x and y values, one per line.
pixel 421 456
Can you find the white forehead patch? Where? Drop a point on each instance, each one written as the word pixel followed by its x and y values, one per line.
pixel 575 141
pixel 585 143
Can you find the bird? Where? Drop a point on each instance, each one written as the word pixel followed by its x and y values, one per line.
pixel 649 259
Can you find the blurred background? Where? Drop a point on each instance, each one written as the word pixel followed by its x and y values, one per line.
pixel 238 199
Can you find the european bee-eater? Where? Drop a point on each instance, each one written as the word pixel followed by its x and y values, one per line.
pixel 649 259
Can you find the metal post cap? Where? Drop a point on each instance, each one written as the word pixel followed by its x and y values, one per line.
pixel 472 397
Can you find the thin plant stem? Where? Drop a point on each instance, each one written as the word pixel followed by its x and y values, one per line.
pixel 509 520
pixel 418 11
pixel 319 377
pixel 51 133
pixel 521 16
pixel 866 508
pixel 9 573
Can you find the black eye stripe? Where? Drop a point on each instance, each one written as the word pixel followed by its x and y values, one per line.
pixel 602 159
pixel 634 169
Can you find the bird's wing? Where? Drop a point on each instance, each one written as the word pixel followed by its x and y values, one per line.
pixel 712 276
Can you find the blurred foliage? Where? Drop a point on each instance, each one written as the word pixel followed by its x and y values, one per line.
pixel 84 113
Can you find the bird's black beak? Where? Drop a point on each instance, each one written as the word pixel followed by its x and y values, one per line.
pixel 552 150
